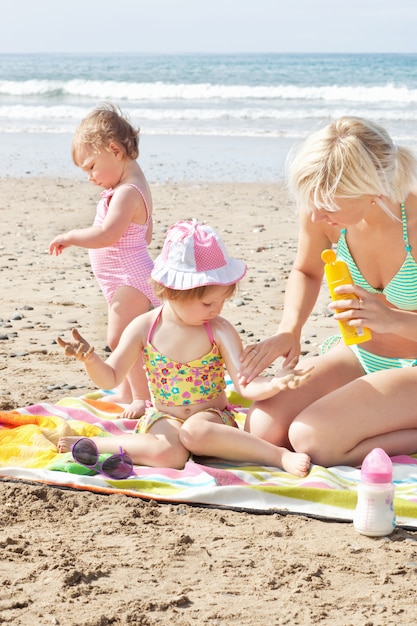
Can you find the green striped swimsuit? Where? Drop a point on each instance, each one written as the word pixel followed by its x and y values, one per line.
pixel 401 291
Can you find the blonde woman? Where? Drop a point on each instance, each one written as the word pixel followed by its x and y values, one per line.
pixel 356 190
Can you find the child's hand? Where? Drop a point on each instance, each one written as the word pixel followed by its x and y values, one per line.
pixel 58 244
pixel 79 348
pixel 290 379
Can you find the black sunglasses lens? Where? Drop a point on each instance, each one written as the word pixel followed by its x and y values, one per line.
pixel 85 452
pixel 118 466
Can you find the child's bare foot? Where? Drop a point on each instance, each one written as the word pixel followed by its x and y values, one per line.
pixel 296 463
pixel 65 443
pixel 134 410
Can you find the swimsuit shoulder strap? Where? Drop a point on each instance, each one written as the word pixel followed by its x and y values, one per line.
pixel 209 332
pixel 153 326
pixel 139 190
pixel 405 229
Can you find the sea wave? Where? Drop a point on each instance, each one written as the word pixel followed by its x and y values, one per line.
pixel 69 116
pixel 162 92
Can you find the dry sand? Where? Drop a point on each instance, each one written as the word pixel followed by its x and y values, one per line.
pixel 81 559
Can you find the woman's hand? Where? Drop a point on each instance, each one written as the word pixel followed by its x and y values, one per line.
pixel 366 309
pixel 256 357
pixel 79 348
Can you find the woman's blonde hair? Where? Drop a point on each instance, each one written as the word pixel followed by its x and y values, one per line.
pixel 350 158
pixel 101 127
pixel 184 295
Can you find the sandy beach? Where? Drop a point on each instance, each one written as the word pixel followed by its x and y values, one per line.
pixel 76 558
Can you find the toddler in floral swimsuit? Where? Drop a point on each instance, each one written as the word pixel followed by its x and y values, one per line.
pixel 187 347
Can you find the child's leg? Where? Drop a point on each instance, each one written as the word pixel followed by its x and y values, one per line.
pixel 205 434
pixel 160 447
pixel 128 303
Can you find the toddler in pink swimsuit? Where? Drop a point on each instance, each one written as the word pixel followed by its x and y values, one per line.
pixel 106 147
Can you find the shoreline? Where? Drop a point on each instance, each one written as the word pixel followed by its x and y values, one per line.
pixel 164 158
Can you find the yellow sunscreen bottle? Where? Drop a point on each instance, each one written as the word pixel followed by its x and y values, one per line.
pixel 337 273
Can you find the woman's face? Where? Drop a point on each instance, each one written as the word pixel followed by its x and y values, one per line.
pixel 348 211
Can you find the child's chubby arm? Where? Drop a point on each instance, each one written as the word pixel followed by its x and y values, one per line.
pixel 110 373
pixel 122 210
pixel 261 387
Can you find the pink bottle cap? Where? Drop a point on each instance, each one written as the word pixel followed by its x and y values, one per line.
pixel 377 467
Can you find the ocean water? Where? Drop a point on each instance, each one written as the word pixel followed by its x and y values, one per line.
pixel 202 117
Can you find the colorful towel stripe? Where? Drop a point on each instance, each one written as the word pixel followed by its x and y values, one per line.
pixel 28 438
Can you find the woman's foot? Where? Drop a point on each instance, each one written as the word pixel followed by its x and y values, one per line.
pixel 296 463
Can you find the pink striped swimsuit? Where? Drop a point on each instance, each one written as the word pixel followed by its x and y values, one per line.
pixel 127 262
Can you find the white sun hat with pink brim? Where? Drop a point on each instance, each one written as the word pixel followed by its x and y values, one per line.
pixel 193 255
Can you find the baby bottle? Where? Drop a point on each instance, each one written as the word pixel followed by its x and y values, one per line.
pixel 374 515
pixel 337 273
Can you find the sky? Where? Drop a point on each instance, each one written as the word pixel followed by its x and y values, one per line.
pixel 222 26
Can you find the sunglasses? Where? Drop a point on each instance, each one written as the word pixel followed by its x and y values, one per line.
pixel 117 466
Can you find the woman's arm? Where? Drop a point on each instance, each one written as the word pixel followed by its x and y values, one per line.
pixel 302 290
pixel 262 387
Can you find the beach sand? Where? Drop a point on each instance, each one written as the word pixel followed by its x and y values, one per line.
pixel 81 559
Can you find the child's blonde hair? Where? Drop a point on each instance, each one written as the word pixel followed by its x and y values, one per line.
pixel 101 127
pixel 184 295
pixel 350 158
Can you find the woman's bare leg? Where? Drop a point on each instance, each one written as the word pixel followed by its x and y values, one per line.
pixel 377 410
pixel 270 419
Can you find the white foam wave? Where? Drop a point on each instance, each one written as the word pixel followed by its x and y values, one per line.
pixel 73 114
pixel 159 91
